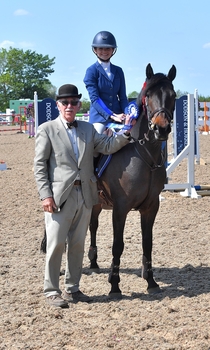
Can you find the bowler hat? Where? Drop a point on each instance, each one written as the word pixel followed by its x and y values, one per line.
pixel 68 90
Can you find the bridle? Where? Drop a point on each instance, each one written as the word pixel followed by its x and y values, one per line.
pixel 155 165
pixel 151 117
pixel 156 113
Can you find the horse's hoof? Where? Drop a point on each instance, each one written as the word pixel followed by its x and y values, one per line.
pixel 155 290
pixel 115 296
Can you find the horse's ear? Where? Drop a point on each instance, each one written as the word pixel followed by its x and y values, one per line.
pixel 149 71
pixel 172 73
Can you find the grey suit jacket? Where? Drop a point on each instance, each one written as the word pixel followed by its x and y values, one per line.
pixel 55 165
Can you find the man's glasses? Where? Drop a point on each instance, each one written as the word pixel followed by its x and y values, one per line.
pixel 66 103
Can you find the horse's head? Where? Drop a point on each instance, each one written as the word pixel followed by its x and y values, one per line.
pixel 157 98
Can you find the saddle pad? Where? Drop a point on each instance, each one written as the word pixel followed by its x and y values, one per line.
pixel 102 164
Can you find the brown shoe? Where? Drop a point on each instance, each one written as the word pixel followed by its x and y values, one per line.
pixel 76 296
pixel 57 301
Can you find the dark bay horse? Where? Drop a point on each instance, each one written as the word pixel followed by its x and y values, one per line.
pixel 136 176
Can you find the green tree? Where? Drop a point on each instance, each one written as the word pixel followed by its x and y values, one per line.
pixel 85 106
pixel 180 93
pixel 202 98
pixel 51 91
pixel 133 95
pixel 22 73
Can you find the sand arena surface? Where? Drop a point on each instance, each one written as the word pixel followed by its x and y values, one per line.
pixel 178 318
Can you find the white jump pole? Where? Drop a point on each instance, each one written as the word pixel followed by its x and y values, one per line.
pixel 197 155
pixel 187 152
pixel 36 111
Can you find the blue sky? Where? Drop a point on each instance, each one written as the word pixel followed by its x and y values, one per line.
pixel 158 32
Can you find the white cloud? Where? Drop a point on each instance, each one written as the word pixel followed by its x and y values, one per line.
pixel 6 44
pixel 25 45
pixel 21 12
pixel 206 46
pixel 72 67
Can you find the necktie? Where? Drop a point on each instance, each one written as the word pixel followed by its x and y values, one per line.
pixel 72 124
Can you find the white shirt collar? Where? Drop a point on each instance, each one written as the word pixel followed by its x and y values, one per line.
pixel 104 64
pixel 106 67
pixel 64 121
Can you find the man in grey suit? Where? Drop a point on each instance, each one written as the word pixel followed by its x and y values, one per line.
pixel 64 173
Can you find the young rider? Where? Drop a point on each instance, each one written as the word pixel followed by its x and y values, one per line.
pixel 105 83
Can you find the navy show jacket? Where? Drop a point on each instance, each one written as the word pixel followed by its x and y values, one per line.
pixel 112 91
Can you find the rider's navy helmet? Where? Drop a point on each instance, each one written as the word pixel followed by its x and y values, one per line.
pixel 104 39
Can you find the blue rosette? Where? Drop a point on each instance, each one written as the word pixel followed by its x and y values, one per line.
pixel 133 109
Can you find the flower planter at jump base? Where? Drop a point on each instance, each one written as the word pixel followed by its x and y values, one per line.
pixel 3 165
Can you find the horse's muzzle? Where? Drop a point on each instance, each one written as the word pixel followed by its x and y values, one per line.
pixel 161 134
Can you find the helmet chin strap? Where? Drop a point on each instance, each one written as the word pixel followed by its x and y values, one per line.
pixel 103 60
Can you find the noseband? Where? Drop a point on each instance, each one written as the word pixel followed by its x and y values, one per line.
pixel 156 113
pixel 168 114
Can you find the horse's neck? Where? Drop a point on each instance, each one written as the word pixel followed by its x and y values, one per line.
pixel 146 137
pixel 140 128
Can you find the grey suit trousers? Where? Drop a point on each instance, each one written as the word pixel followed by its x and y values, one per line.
pixel 71 224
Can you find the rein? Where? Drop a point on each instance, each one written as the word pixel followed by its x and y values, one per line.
pixel 142 142
pixel 145 139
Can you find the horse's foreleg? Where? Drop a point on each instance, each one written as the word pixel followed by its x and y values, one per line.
pixel 117 250
pixel 147 274
pixel 93 226
pixel 114 279
pixel 147 223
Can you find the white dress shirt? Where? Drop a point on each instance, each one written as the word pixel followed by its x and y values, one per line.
pixel 72 134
